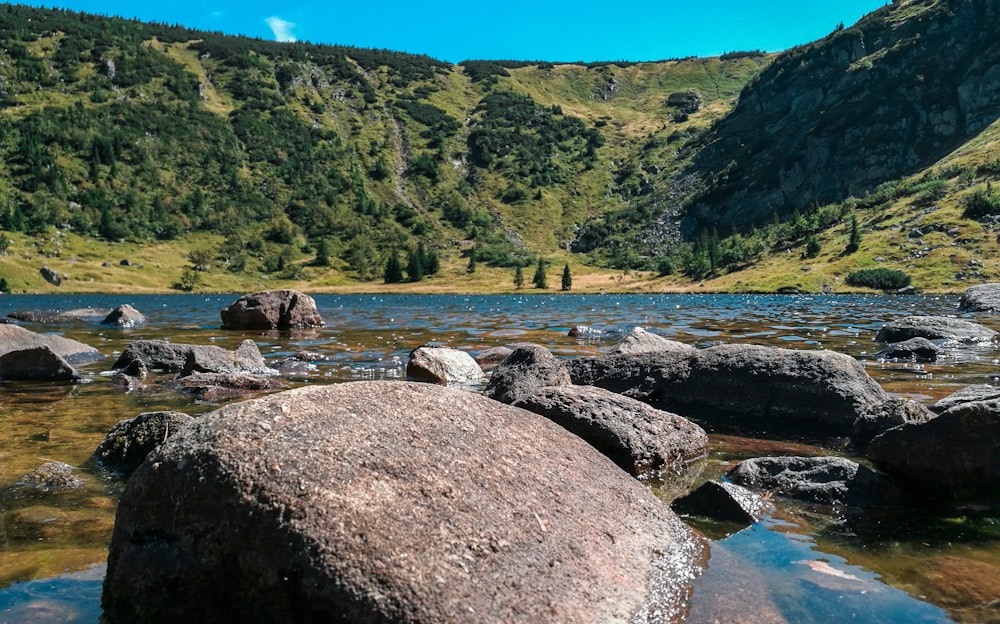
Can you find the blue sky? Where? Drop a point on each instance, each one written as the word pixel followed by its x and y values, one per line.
pixel 516 29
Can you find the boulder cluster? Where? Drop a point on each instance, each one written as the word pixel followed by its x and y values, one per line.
pixel 429 500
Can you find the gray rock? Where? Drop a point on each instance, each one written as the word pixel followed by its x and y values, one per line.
pixel 527 369
pixel 153 355
pixel 721 500
pixel 52 476
pixel 272 309
pixel 50 276
pixel 774 389
pixel 968 394
pixel 636 436
pixel 981 298
pixel 358 512
pixel 641 341
pixel 187 359
pixel 124 316
pixel 919 349
pixel 59 316
pixel 953 457
pixel 884 416
pixel 443 365
pixel 935 328
pixel 222 386
pixel 826 480
pixel 35 364
pixel 14 338
pixel 129 441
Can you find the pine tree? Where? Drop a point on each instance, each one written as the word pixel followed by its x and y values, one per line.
pixel 567 279
pixel 518 277
pixel 322 254
pixel 415 265
pixel 854 242
pixel 432 263
pixel 471 268
pixel 540 280
pixel 393 269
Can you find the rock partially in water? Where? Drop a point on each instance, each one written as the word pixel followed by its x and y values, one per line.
pixel 721 500
pixel 357 512
pixel 52 476
pixel 272 309
pixel 490 358
pixel 919 349
pixel 124 316
pixel 129 441
pixel 826 480
pixel 936 328
pixel 636 436
pixel 527 369
pixel 14 338
pixel 443 365
pixel 59 316
pixel 968 394
pixel 641 341
pixel 167 357
pixel 35 364
pixel 981 298
pixel 153 355
pixel 954 457
pixel 221 386
pixel 884 416
pixel 820 392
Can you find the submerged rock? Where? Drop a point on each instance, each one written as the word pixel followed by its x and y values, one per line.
pixel 129 441
pixel 358 512
pixel 272 309
pixel 527 369
pixel 52 476
pixel 919 349
pixel 771 388
pixel 721 500
pixel 58 316
pixel 443 365
pixel 935 328
pixel 636 436
pixel 641 341
pixel 222 386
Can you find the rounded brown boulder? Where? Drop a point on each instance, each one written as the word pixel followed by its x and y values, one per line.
pixel 272 309
pixel 391 502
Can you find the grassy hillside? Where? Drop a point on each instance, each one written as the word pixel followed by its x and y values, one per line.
pixel 226 163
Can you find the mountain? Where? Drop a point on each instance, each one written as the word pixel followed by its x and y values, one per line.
pixel 230 160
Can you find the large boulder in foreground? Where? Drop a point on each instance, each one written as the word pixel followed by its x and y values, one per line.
pixel 272 309
pixel 443 365
pixel 954 457
pixel 935 328
pixel 390 502
pixel 14 338
pixel 636 436
pixel 527 369
pixel 981 298
pixel 747 385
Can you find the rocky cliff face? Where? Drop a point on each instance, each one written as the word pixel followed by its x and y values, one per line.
pixel 894 93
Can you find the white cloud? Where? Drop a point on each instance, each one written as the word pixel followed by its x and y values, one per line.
pixel 282 29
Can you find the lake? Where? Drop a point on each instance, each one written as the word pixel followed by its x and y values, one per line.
pixel 803 564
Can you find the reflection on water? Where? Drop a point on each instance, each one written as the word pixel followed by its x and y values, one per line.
pixel 47 534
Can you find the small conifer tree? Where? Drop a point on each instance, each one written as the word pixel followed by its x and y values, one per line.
pixel 567 279
pixel 322 254
pixel 471 267
pixel 393 269
pixel 854 240
pixel 540 280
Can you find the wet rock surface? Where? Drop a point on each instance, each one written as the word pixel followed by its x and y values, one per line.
pixel 935 328
pixel 778 389
pixel 358 513
pixel 826 480
pixel 124 316
pixel 52 476
pixel 36 364
pixel 919 349
pixel 443 365
pixel 77 315
pixel 637 437
pixel 129 441
pixel 221 386
pixel 725 501
pixel 272 309
pixel 527 369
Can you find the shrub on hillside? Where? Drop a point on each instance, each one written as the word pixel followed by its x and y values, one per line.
pixel 879 279
pixel 980 203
